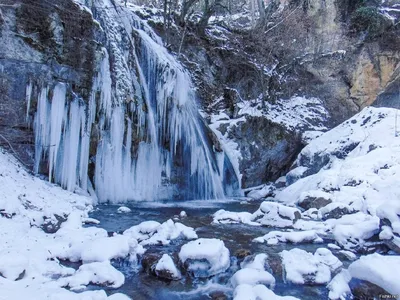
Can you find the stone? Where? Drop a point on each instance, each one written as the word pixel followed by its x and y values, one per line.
pixel 314 202
pixel 242 253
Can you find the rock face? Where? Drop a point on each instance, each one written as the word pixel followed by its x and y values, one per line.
pixel 267 149
pixel 325 49
pixel 41 45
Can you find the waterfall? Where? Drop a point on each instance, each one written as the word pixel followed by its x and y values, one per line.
pixel 151 141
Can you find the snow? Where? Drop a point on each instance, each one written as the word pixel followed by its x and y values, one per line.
pixel 252 277
pixel 32 255
pixel 258 292
pixel 100 273
pixel 275 237
pixel 167 264
pixel 123 209
pixel 379 270
pixel 302 267
pixel 257 263
pixel 261 193
pixel 205 257
pixel 154 233
pixel 349 236
pixel 276 215
pixel 356 163
pixel 339 286
pixel 226 217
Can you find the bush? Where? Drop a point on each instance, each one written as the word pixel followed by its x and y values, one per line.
pixel 370 21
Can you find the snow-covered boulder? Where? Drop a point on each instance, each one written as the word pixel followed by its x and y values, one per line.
pixel 257 292
pixel 295 237
pixel 154 233
pixel 339 286
pixel 257 262
pixel 276 215
pixel 302 267
pixel 353 236
pixel 205 257
pixel 165 268
pixel 378 269
pixel 123 209
pixel 100 273
pixel 226 217
pixel 252 277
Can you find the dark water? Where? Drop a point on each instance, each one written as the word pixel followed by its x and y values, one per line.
pixel 140 285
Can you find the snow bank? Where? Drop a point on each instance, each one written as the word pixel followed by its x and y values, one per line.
pixel 274 237
pixel 357 163
pixel 379 270
pixel 205 257
pixel 29 254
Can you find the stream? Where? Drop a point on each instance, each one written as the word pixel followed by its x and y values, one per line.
pixel 237 237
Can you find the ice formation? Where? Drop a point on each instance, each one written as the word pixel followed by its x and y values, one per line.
pixel 151 141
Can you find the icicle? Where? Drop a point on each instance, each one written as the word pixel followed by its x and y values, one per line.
pixel 56 122
pixel 28 97
pixel 42 126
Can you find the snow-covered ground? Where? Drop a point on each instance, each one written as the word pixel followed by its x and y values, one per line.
pixel 30 265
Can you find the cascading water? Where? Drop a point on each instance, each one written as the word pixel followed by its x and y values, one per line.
pixel 151 141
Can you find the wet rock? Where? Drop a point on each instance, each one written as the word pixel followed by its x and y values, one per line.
pixel 314 202
pixel 166 269
pixel 362 289
pixel 242 253
pixel 275 265
pixel 149 262
pixel 53 225
pixel 335 213
pixel 218 295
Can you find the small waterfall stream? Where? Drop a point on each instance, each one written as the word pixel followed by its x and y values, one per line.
pixel 140 130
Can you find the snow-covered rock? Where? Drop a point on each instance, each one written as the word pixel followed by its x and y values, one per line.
pixel 275 237
pixel 276 215
pixel 252 277
pixel 123 209
pixel 258 262
pixel 226 217
pixel 205 257
pixel 339 286
pixel 165 268
pixel 154 233
pixel 258 292
pixel 379 270
pixel 100 273
pixel 302 267
pixel 357 164
pixel 351 236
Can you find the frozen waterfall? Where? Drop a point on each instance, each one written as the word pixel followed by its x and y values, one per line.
pixel 140 129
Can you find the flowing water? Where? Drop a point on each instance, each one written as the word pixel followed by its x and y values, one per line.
pixel 140 285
